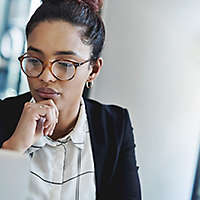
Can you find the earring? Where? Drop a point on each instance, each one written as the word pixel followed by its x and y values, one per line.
pixel 89 84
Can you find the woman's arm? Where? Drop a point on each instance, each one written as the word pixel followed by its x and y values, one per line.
pixel 36 119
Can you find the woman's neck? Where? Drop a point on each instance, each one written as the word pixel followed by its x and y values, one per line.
pixel 66 121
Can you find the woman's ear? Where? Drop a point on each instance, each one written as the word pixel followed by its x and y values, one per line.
pixel 96 67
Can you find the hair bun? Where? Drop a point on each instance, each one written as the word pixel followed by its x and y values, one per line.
pixel 96 5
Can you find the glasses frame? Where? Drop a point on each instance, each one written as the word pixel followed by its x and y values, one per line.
pixel 44 64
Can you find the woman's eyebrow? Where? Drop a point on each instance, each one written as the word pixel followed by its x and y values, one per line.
pixel 31 48
pixel 57 53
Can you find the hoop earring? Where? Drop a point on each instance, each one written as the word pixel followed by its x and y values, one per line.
pixel 89 84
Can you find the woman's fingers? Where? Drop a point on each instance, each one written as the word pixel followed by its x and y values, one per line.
pixel 51 105
pixel 40 125
pixel 49 130
pixel 45 113
pixel 51 112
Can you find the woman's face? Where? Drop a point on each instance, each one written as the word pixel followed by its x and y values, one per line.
pixel 58 40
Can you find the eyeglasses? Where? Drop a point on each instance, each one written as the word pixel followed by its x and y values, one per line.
pixel 61 69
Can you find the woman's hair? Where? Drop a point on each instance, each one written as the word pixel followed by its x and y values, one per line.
pixel 83 13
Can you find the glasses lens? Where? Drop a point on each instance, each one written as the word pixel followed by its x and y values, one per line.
pixel 32 67
pixel 64 70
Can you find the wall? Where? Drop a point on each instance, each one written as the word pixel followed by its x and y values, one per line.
pixel 152 66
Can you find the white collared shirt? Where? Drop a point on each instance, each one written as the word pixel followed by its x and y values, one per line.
pixel 63 169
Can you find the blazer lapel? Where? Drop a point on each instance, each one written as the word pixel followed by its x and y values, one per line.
pixel 98 140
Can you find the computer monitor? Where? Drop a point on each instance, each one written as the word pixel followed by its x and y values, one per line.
pixel 14 175
pixel 196 186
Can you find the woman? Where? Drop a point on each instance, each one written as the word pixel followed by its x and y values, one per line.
pixel 79 149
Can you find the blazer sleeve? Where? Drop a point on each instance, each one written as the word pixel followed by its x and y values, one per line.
pixel 126 180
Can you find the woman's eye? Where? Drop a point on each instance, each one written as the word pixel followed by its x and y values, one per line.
pixel 65 64
pixel 33 61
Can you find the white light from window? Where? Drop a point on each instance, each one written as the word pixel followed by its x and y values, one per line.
pixel 34 5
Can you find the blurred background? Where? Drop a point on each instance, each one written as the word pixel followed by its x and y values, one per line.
pixel 151 67
pixel 14 14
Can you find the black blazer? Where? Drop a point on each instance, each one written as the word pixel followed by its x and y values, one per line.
pixel 112 144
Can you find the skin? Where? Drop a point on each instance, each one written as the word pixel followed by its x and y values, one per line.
pixel 49 41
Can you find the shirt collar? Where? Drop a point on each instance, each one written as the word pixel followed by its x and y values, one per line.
pixel 76 136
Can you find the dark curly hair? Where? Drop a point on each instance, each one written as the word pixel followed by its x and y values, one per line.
pixel 77 12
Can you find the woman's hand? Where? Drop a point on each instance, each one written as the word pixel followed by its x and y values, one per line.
pixel 37 119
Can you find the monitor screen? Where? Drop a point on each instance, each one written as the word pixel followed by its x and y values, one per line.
pixel 196 186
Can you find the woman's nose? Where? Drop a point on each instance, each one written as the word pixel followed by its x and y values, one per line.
pixel 46 75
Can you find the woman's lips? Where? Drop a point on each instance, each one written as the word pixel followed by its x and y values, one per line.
pixel 47 93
